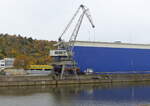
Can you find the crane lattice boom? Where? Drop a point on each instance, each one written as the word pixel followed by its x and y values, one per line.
pixel 64 53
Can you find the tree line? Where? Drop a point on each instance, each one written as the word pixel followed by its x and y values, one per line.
pixel 25 50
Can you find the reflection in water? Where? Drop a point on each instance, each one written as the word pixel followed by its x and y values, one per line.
pixel 118 94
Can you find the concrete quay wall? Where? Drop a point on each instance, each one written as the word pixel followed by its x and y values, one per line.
pixel 86 79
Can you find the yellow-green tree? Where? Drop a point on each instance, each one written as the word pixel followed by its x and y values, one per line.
pixel 44 60
pixel 24 61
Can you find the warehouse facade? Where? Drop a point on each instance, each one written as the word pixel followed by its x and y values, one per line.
pixel 112 57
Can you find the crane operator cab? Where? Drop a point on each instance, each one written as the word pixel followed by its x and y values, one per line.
pixel 55 53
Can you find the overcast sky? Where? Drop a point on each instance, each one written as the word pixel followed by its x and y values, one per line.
pixel 115 20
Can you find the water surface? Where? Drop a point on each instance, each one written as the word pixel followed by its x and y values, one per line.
pixel 118 94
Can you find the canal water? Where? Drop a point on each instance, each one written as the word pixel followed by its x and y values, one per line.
pixel 117 94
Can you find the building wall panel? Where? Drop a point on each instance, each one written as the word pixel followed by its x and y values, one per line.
pixel 110 59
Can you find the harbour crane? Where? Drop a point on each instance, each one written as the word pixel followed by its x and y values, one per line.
pixel 63 56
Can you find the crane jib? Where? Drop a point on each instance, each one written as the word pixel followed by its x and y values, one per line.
pixel 63 56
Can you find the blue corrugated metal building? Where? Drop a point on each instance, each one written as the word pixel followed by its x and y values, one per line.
pixel 112 57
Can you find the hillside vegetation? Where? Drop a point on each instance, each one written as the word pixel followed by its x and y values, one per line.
pixel 26 50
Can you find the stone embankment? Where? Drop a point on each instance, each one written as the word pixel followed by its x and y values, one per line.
pixel 83 79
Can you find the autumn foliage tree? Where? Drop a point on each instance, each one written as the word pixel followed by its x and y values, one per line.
pixel 14 45
pixel 44 60
pixel 24 61
pixel 27 51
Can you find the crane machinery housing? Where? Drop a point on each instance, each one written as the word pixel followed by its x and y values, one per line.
pixel 63 56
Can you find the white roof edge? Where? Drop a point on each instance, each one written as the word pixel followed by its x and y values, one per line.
pixel 112 44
